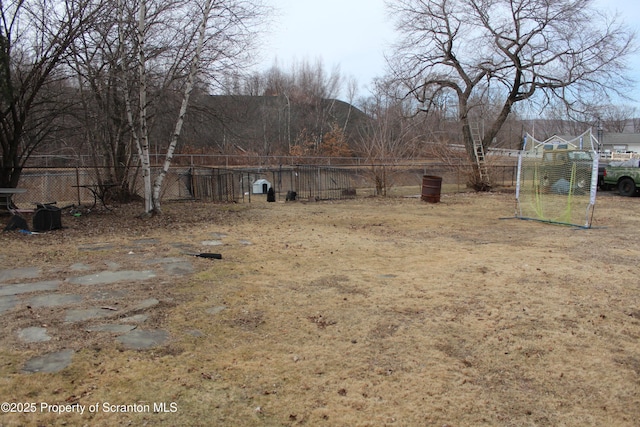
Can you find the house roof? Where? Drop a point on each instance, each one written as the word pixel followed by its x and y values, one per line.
pixel 620 138
pixel 610 138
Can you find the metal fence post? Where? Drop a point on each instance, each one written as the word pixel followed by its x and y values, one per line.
pixel 78 185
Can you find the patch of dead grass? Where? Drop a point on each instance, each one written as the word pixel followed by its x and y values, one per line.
pixel 362 312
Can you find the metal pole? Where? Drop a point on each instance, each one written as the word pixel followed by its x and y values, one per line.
pixel 78 184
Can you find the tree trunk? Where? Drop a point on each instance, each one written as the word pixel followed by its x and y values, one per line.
pixel 10 174
pixel 143 146
pixel 193 71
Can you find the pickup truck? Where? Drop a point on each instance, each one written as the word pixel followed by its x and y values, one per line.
pixel 625 176
pixel 556 168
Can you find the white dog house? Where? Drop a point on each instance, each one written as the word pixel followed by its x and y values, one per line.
pixel 261 186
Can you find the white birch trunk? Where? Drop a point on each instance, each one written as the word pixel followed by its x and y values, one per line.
pixel 193 72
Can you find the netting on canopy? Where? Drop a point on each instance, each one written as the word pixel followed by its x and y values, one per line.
pixel 557 180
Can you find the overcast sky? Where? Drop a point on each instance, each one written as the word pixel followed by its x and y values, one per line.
pixel 351 34
pixel 355 34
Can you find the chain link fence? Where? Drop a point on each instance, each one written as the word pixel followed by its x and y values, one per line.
pixel 82 186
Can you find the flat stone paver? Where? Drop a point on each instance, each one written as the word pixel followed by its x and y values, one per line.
pixel 107 277
pixel 54 300
pixel 49 363
pixel 23 288
pixel 108 294
pixel 148 303
pixel 173 266
pixel 8 302
pixel 142 340
pixel 185 247
pixel 34 334
pixel 19 273
pixel 116 329
pixel 168 260
pixel 112 265
pixel 178 269
pixel 138 318
pixel 145 242
pixel 215 310
pixel 79 266
pixel 73 316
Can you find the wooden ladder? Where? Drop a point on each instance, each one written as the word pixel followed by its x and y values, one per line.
pixel 478 149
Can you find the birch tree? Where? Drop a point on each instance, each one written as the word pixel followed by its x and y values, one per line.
pixel 192 73
pixel 509 51
pixel 179 44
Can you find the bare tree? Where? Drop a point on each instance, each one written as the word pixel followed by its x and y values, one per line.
pixel 390 137
pixel 138 67
pixel 352 92
pixel 178 43
pixel 34 43
pixel 307 107
pixel 316 90
pixel 508 51
pixel 615 118
pixel 555 120
pixel 99 62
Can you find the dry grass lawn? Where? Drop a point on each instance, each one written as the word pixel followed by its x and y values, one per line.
pixel 367 312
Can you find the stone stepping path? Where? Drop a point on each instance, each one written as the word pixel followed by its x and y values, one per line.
pixel 215 310
pixel 23 288
pixel 54 300
pixel 19 274
pixel 114 329
pixel 34 334
pixel 82 315
pixel 107 277
pixel 49 363
pixel 127 329
pixel 7 303
pixel 141 340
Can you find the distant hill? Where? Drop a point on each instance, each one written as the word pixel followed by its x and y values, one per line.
pixel 267 124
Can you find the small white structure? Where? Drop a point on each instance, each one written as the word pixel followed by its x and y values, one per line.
pixel 261 186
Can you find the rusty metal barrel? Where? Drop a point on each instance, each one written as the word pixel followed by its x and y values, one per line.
pixel 431 186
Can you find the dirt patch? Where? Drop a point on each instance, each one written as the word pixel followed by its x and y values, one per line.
pixel 361 312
